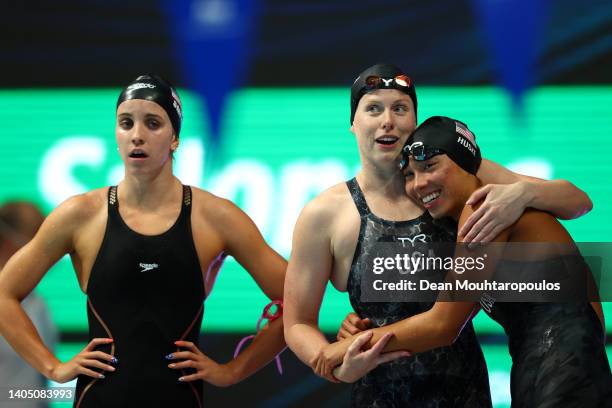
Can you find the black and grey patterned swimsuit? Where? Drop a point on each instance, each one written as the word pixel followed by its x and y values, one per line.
pixel 454 376
pixel 557 349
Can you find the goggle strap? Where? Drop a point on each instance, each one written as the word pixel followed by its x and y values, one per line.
pixel 270 317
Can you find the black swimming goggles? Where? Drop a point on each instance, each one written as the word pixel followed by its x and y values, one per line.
pixel 419 152
pixel 399 82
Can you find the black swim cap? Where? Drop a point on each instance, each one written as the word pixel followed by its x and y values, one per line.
pixel 442 135
pixel 381 76
pixel 155 89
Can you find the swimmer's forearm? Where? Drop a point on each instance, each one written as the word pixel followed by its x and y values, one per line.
pixel 416 334
pixel 438 327
pixel 19 331
pixel 265 346
pixel 559 197
pixel 306 341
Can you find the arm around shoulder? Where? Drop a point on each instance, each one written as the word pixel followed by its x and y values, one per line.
pixel 559 197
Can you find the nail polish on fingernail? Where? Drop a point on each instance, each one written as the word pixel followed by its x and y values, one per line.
pixel 180 379
pixel 114 360
pixel 169 357
pixel 101 376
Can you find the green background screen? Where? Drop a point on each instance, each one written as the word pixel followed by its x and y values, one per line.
pixel 281 147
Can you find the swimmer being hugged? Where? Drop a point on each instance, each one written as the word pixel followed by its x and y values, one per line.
pixel 557 349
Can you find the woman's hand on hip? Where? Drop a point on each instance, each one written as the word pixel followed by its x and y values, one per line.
pixel 220 375
pixel 84 363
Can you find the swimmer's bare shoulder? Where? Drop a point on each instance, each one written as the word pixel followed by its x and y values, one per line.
pixel 325 233
pixel 64 231
pixel 217 212
pixel 209 218
pixel 226 227
pixel 223 227
pixel 75 219
pixel 328 210
pixel 539 226
pixel 316 255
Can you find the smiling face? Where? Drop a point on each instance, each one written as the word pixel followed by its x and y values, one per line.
pixel 145 135
pixel 439 184
pixel 383 121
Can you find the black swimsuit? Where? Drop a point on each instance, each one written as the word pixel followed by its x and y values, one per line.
pixel 454 376
pixel 145 292
pixel 557 349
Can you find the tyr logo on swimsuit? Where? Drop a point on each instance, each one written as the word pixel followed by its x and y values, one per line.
pixel 420 237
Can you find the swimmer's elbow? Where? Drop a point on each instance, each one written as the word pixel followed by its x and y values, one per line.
pixel 582 203
pixel 292 330
pixel 287 329
pixel 587 206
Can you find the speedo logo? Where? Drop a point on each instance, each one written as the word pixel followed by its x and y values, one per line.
pixel 466 144
pixel 140 85
pixel 148 267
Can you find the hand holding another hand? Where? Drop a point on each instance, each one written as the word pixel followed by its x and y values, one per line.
pixel 357 362
pixel 352 325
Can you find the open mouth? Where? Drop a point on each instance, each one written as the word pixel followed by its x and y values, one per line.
pixel 429 198
pixel 138 154
pixel 387 140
